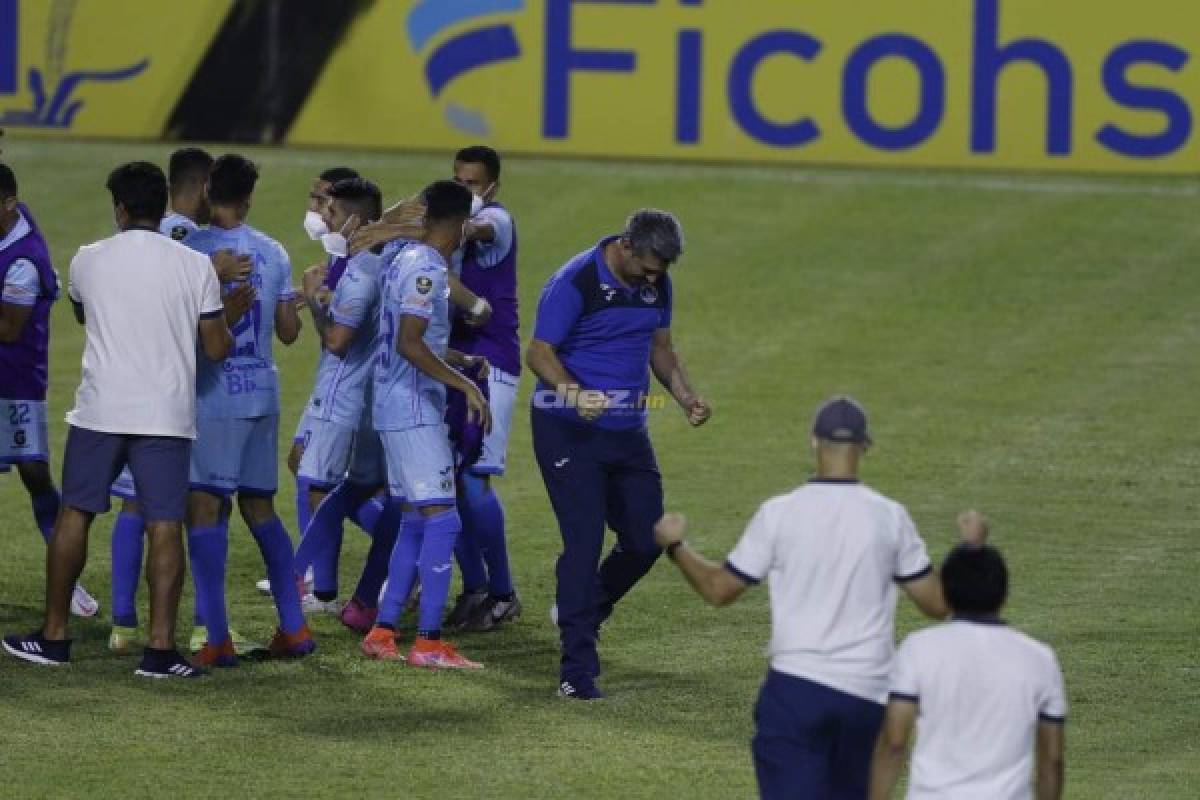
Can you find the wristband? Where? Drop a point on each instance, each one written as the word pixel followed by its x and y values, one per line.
pixel 480 306
pixel 672 547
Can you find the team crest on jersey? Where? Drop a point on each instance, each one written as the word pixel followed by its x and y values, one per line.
pixel 609 292
pixel 649 294
pixel 179 232
pixel 424 284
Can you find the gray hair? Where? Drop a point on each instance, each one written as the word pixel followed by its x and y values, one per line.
pixel 655 231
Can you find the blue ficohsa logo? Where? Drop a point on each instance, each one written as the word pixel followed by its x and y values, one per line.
pixel 476 48
pixel 53 89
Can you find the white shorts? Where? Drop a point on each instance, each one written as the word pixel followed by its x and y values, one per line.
pixel 23 432
pixel 420 466
pixel 502 396
pixel 326 458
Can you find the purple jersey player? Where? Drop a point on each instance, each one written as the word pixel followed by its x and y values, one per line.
pixel 30 287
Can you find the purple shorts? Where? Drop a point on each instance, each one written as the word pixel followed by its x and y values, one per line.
pixel 159 465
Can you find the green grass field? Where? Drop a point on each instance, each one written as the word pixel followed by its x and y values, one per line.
pixel 1026 345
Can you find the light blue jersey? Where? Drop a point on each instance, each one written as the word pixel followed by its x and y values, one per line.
pixel 341 386
pixel 246 384
pixel 414 284
pixel 177 226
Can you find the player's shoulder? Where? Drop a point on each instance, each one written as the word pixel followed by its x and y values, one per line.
pixel 496 213
pixel 570 272
pixel 1036 650
pixel 265 241
pixel 421 258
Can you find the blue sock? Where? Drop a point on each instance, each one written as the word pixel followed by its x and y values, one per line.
pixel 127 536
pixel 367 515
pixel 437 568
pixel 383 541
pixel 467 553
pixel 276 548
pixel 45 510
pixel 485 521
pixel 208 550
pixel 321 541
pixel 303 512
pixel 402 568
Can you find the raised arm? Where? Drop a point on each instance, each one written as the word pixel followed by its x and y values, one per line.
pixel 668 369
pixel 715 583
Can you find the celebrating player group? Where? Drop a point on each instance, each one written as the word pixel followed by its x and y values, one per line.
pixel 415 315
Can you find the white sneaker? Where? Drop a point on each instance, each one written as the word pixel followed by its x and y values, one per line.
pixel 311 604
pixel 554 614
pixel 264 586
pixel 83 604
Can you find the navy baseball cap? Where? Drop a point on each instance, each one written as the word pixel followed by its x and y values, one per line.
pixel 841 419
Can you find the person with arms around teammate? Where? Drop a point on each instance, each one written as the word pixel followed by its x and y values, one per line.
pixel 487 266
pixel 238 426
pixel 833 552
pixel 603 323
pixel 414 368
pixel 985 698
pixel 30 287
pixel 147 304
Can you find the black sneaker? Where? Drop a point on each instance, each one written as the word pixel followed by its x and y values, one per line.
pixel 494 613
pixel 580 689
pixel 38 650
pixel 466 605
pixel 166 664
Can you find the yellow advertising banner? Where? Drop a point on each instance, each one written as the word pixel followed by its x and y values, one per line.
pixel 101 68
pixel 1090 85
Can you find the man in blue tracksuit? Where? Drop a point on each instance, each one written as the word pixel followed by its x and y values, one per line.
pixel 603 319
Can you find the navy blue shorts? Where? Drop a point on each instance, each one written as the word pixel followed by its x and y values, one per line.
pixel 813 741
pixel 159 464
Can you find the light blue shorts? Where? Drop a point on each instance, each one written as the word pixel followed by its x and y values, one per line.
pixel 326 458
pixel 420 466
pixel 502 396
pixel 236 455
pixel 23 432
pixel 123 486
pixel 303 430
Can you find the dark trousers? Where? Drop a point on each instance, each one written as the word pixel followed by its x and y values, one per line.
pixel 812 741
pixel 596 476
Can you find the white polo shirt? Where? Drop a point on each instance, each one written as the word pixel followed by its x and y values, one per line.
pixel 832 552
pixel 981 689
pixel 143 296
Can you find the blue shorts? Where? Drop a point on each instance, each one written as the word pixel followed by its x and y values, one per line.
pixel 123 486
pixel 23 431
pixel 159 465
pixel 326 456
pixel 420 466
pixel 502 397
pixel 237 455
pixel 811 740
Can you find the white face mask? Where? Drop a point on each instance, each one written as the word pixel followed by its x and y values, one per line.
pixel 314 225
pixel 477 201
pixel 335 244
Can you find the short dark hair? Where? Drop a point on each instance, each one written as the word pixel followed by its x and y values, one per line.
pixel 481 154
pixel 653 231
pixel 8 182
pixel 141 188
pixel 446 200
pixel 231 180
pixel 337 174
pixel 361 195
pixel 188 165
pixel 975 580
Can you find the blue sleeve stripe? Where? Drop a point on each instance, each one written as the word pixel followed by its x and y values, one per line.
pixel 1053 720
pixel 921 573
pixel 904 697
pixel 742 576
pixel 208 314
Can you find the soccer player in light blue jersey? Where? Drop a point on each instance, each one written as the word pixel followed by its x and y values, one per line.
pixel 409 404
pixel 238 425
pixel 335 411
